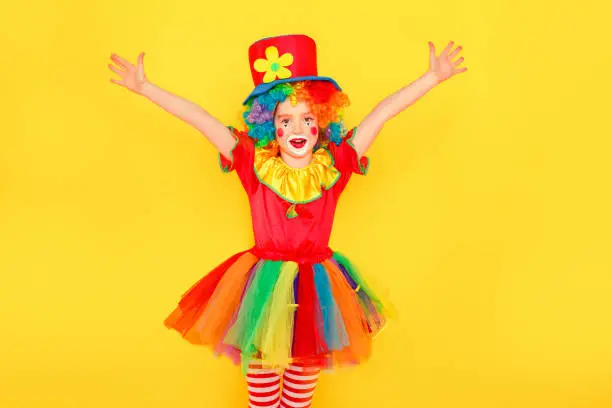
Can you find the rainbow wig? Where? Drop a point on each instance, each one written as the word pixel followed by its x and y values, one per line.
pixel 324 100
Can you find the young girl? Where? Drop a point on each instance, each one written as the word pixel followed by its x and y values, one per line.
pixel 288 307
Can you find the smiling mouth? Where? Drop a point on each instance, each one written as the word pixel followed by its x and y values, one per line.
pixel 298 143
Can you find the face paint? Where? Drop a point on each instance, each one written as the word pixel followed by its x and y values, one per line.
pixel 298 144
pixel 299 138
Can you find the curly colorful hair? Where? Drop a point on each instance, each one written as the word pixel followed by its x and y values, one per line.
pixel 324 100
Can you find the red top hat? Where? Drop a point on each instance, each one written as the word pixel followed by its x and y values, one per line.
pixel 286 58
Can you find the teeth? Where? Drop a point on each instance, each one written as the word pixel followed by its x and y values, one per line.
pixel 298 143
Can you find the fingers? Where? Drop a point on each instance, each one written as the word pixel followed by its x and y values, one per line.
pixel 454 53
pixel 116 70
pixel 122 62
pixel 140 68
pixel 432 50
pixel 447 49
pixel 445 52
pixel 459 61
pixel 432 55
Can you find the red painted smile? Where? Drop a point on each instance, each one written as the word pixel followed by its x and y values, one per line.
pixel 298 142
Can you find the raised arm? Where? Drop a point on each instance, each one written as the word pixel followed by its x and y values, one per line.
pixel 134 79
pixel 440 69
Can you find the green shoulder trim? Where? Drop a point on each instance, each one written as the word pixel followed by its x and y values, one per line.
pixel 223 168
pixel 363 170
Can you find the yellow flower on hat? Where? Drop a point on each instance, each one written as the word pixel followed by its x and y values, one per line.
pixel 273 65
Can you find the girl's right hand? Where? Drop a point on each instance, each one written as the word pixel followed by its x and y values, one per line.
pixel 132 77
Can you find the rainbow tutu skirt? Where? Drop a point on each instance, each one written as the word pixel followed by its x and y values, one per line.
pixel 274 312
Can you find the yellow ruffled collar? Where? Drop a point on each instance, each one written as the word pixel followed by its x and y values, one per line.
pixel 296 185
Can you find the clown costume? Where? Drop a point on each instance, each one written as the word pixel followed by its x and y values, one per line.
pixel 289 306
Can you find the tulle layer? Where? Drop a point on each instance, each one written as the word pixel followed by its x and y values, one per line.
pixel 274 313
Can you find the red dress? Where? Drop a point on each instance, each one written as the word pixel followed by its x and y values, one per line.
pixel 289 298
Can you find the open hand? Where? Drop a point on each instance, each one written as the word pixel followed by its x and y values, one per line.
pixel 443 66
pixel 132 77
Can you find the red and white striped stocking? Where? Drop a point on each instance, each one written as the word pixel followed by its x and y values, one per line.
pixel 264 387
pixel 299 384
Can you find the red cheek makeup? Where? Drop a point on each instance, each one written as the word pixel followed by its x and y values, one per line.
pixel 314 131
pixel 280 133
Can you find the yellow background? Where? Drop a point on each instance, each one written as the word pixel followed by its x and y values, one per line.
pixel 486 211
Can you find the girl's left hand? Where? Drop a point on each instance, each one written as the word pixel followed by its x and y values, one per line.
pixel 443 66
